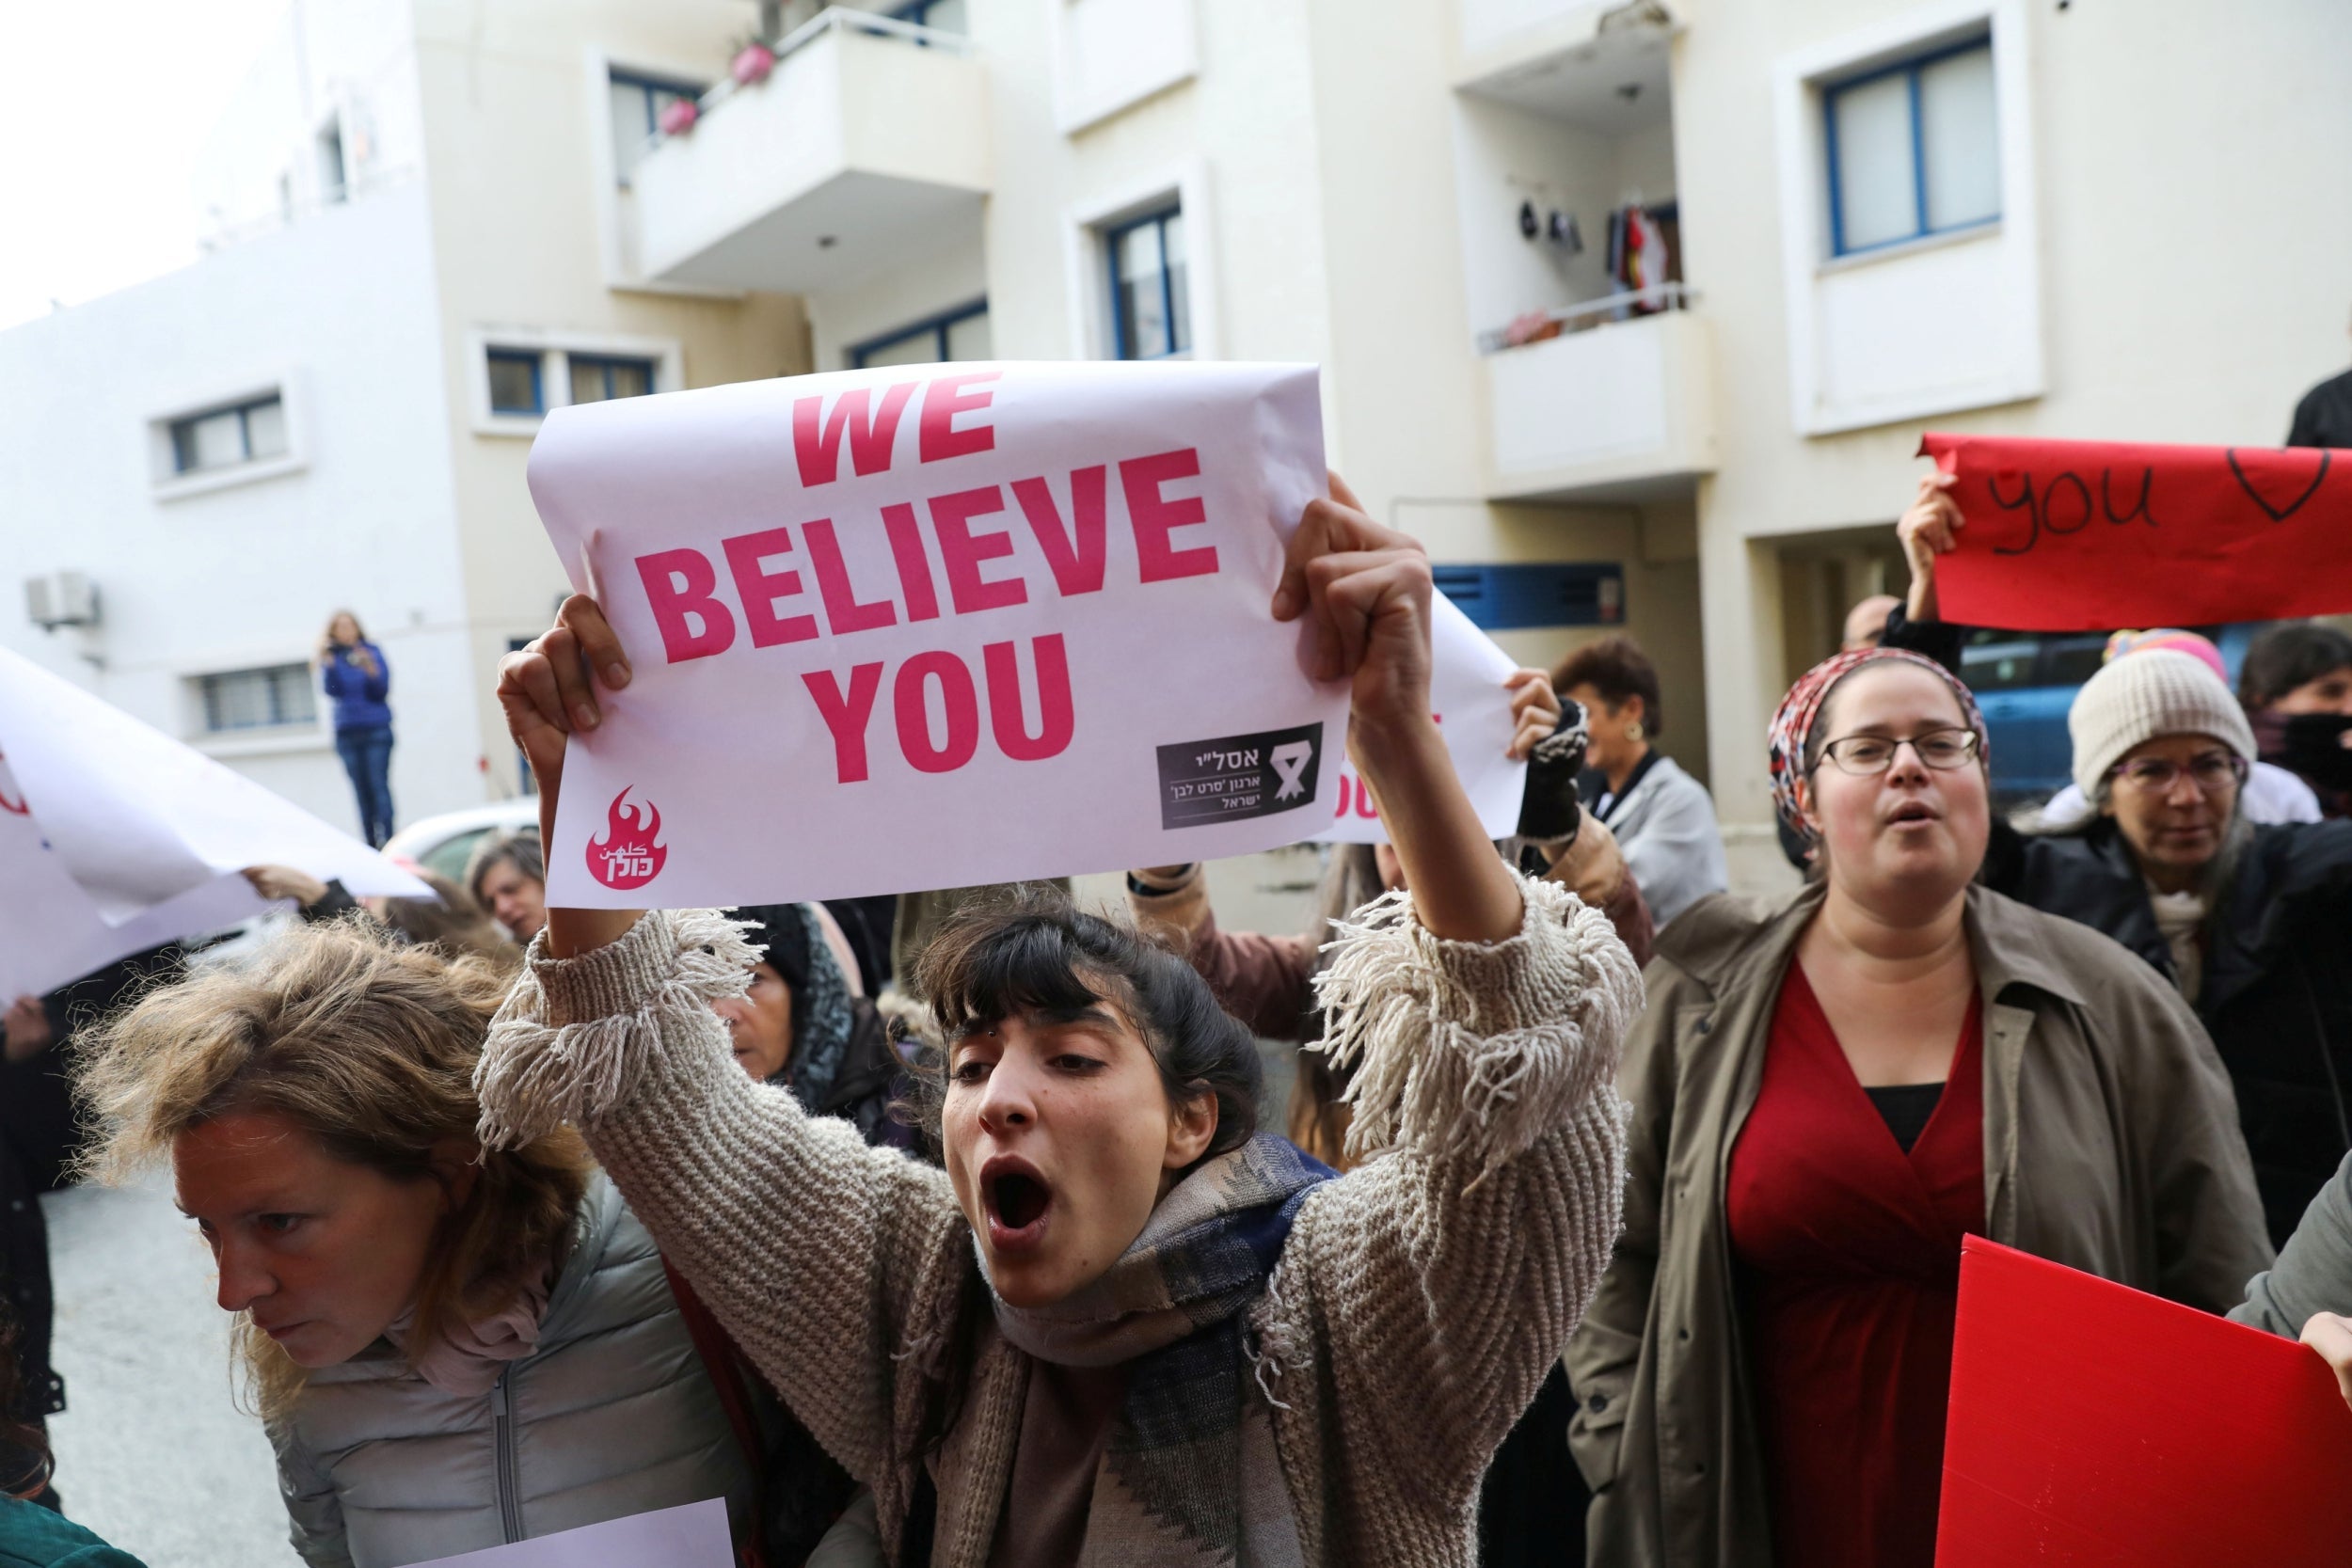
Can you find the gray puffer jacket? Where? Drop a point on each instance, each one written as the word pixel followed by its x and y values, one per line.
pixel 612 1415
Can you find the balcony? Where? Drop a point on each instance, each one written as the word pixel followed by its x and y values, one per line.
pixel 1622 410
pixel 868 141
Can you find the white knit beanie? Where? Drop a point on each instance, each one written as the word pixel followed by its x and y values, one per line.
pixel 2142 696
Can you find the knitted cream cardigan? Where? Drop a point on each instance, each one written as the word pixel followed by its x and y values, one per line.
pixel 1420 1301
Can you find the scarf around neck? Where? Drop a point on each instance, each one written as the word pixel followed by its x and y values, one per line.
pixel 1191 1448
pixel 468 1358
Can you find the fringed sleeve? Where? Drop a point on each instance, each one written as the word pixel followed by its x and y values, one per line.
pixel 830 1263
pixel 1424 1295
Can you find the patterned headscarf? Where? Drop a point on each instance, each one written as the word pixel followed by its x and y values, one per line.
pixel 1792 724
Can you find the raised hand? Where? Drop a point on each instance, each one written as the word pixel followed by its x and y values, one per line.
pixel 1534 710
pixel 1365 592
pixel 1931 528
pixel 547 689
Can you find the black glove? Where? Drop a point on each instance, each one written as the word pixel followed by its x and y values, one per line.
pixel 1549 809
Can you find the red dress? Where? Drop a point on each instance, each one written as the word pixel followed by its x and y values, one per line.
pixel 1849 1253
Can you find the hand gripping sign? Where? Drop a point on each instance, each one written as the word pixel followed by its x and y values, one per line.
pixel 1473 713
pixel 938 625
pixel 2092 535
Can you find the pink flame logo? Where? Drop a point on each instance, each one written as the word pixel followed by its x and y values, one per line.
pixel 626 856
pixel 17 807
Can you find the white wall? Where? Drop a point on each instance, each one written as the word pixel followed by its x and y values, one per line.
pixel 349 62
pixel 340 309
pixel 2156 129
pixel 928 284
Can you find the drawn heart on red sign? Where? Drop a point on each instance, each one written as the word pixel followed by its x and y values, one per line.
pixel 2279 514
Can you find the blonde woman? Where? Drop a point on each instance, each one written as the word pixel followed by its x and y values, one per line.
pixel 358 679
pixel 451 1349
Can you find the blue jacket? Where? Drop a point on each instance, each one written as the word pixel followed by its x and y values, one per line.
pixel 358 696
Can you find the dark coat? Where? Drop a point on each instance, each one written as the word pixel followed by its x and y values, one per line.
pixel 2109 1146
pixel 2277 995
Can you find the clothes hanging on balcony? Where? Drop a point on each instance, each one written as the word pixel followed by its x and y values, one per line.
pixel 1644 251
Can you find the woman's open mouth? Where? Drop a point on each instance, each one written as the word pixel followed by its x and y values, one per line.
pixel 1018 1200
pixel 1912 813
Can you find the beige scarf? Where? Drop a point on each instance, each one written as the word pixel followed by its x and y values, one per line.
pixel 468 1358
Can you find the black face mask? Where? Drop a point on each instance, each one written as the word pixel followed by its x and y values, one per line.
pixel 2311 744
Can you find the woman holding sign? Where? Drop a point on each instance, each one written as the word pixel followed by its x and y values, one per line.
pixel 1122 1324
pixel 1827 1098
pixel 2252 923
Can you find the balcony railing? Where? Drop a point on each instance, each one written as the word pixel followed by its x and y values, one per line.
pixel 1620 411
pixel 869 138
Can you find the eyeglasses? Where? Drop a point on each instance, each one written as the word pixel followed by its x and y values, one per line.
pixel 2215 772
pixel 1867 755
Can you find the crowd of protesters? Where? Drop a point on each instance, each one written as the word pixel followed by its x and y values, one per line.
pixel 1609 1211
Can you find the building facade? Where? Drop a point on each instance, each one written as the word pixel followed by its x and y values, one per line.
pixel 1646 301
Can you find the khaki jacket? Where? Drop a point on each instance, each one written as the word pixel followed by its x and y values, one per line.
pixel 2111 1144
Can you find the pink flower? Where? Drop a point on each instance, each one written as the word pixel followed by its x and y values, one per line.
pixel 752 65
pixel 679 116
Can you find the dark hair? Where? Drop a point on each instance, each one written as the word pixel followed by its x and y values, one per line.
pixel 2290 655
pixel 19 1437
pixel 1036 953
pixel 519 849
pixel 1617 669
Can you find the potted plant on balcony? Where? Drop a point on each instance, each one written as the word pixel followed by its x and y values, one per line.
pixel 752 64
pixel 679 116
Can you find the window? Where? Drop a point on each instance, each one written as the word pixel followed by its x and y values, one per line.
pixel 947 15
pixel 638 103
pixel 598 377
pixel 961 334
pixel 514 383
pixel 1914 150
pixel 1150 316
pixel 258 699
pixel 222 438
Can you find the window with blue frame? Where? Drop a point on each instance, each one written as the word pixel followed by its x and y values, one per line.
pixel 959 334
pixel 638 103
pixel 947 15
pixel 1914 149
pixel 1151 318
pixel 599 377
pixel 515 387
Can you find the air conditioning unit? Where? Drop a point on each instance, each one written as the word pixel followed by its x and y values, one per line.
pixel 57 600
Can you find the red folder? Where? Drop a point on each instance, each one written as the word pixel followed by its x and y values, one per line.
pixel 2094 1424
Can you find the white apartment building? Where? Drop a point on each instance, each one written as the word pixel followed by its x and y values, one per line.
pixel 1848 220
pixel 415 250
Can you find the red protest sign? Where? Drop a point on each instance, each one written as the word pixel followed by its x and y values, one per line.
pixel 2092 535
pixel 2095 1426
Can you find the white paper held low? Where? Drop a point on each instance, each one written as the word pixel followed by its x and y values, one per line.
pixel 694 1536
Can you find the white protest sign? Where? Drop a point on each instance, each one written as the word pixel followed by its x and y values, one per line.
pixel 694 1536
pixel 1473 713
pixel 938 625
pixel 115 838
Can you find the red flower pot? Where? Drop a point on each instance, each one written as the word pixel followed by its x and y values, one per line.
pixel 679 116
pixel 752 65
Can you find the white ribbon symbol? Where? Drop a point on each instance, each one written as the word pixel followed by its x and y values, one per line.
pixel 1290 761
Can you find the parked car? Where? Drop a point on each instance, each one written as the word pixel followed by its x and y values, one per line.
pixel 2026 681
pixel 444 843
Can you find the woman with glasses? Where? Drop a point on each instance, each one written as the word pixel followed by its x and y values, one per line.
pixel 1826 1096
pixel 2250 922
